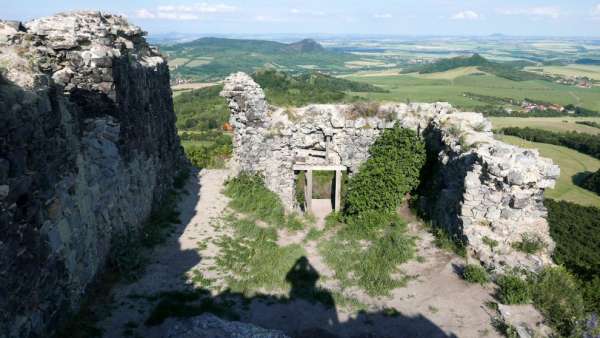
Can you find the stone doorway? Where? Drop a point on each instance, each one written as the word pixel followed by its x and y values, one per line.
pixel 321 206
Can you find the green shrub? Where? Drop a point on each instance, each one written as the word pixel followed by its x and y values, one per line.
pixel 530 244
pixel 556 294
pixel 392 171
pixel 513 289
pixel 208 155
pixel 576 231
pixel 591 295
pixel 475 273
pixel 592 182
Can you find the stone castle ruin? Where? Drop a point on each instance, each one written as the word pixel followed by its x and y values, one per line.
pixel 487 192
pixel 88 147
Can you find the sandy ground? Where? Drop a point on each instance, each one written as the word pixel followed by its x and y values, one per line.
pixel 435 303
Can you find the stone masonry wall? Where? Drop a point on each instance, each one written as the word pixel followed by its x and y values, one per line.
pixel 88 147
pixel 481 189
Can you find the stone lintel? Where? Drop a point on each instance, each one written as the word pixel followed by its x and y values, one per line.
pixel 313 167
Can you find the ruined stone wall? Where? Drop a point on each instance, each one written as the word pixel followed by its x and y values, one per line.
pixel 88 147
pixel 480 188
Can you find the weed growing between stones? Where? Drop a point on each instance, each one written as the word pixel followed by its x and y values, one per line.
pixel 474 273
pixel 529 244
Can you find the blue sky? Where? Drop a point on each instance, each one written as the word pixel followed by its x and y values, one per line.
pixel 394 17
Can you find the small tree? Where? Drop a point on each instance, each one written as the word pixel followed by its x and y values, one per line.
pixel 393 170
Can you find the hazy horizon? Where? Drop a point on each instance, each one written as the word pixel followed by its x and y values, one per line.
pixel 443 18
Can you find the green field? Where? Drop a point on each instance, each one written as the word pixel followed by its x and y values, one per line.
pixel 558 124
pixel 418 88
pixel 571 163
pixel 592 72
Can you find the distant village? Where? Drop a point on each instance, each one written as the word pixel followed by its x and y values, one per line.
pixel 578 81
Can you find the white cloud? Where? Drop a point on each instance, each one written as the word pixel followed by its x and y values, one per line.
pixel 551 12
pixel 268 18
pixel 382 16
pixel 297 11
pixel 466 15
pixel 184 12
pixel 596 11
pixel 144 14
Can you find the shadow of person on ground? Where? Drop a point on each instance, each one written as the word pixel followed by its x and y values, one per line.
pixel 306 311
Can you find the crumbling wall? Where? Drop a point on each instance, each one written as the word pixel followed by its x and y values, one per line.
pixel 88 147
pixel 480 188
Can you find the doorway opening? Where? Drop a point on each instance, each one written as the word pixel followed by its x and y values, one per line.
pixel 319 188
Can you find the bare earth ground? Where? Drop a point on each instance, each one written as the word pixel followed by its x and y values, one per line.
pixel 435 303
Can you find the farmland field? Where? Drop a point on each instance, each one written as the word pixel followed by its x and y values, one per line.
pixel 571 164
pixel 428 88
pixel 593 72
pixel 558 124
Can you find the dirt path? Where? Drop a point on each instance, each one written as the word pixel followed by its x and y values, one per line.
pixel 176 258
pixel 435 303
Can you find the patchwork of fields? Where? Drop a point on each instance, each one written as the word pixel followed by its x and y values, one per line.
pixel 452 85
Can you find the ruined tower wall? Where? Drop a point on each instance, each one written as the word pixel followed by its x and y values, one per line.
pixel 87 147
pixel 481 188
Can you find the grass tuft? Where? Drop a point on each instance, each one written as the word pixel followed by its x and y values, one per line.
pixel 475 273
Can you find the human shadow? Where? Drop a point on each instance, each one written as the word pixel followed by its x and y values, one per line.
pixel 308 311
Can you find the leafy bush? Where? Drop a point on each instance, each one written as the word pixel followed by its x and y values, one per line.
pixel 475 273
pixel 513 289
pixel 530 244
pixel 208 154
pixel 392 170
pixel 556 294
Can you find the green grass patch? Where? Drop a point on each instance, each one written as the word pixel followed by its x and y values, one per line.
pixel 369 259
pixel 529 244
pixel 474 273
pixel 513 289
pixel 445 241
pixel 253 259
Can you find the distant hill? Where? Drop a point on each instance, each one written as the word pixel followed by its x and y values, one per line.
pixel 508 70
pixel 587 62
pixel 209 59
pixel 287 90
pixel 203 109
